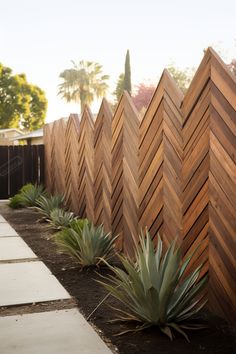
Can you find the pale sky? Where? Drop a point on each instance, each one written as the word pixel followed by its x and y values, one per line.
pixel 40 38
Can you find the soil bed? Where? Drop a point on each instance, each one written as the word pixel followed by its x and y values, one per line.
pixel 217 338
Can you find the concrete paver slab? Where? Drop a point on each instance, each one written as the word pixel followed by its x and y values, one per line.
pixel 7 230
pixel 13 248
pixel 28 282
pixel 2 219
pixel 54 332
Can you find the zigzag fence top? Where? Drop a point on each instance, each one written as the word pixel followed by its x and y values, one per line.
pixel 173 172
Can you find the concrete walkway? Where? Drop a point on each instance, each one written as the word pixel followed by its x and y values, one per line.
pixel 26 280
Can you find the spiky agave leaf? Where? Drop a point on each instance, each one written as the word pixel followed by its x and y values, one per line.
pixel 46 204
pixel 154 288
pixel 85 242
pixel 31 193
pixel 27 196
pixel 60 218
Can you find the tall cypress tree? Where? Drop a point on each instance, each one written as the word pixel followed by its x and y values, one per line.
pixel 127 78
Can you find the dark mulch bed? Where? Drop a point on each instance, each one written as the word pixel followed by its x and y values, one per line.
pixel 217 338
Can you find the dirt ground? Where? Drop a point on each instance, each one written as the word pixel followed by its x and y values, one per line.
pixel 218 338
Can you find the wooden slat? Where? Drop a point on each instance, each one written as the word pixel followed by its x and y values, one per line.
pixel 47 138
pixel 85 166
pixel 58 158
pixel 209 180
pixel 20 165
pixel 160 153
pixel 102 167
pixel 124 147
pixel 4 190
pixel 71 162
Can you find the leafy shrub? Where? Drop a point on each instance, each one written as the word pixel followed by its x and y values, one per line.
pixel 78 224
pixel 16 201
pixel 46 204
pixel 60 218
pixel 88 244
pixel 155 290
pixel 27 196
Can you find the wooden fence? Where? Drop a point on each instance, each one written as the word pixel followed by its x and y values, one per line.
pixel 173 172
pixel 20 165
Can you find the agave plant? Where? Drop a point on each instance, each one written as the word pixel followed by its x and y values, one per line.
pixel 45 205
pixel 155 289
pixel 88 244
pixel 60 218
pixel 27 196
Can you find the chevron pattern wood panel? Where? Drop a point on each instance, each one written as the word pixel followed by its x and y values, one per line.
pixel 47 136
pixel 160 162
pixel 102 167
pixel 209 179
pixel 195 169
pixel 53 158
pixel 125 133
pixel 174 172
pixel 58 157
pixel 85 167
pixel 71 162
pixel 222 190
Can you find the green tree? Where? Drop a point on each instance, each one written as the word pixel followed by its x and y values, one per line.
pixel 119 87
pixel 22 105
pixel 83 82
pixel 124 80
pixel 183 78
pixel 127 76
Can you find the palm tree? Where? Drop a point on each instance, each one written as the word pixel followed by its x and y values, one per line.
pixel 83 83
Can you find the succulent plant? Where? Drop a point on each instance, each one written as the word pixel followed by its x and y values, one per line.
pixel 88 244
pixel 155 289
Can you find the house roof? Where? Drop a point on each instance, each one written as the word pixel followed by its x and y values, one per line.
pixel 34 134
pixel 10 130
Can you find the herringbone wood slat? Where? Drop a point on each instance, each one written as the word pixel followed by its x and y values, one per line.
pixel 47 136
pixel 85 166
pixel 125 130
pixel 160 153
pixel 71 162
pixel 102 167
pixel 209 179
pixel 58 157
